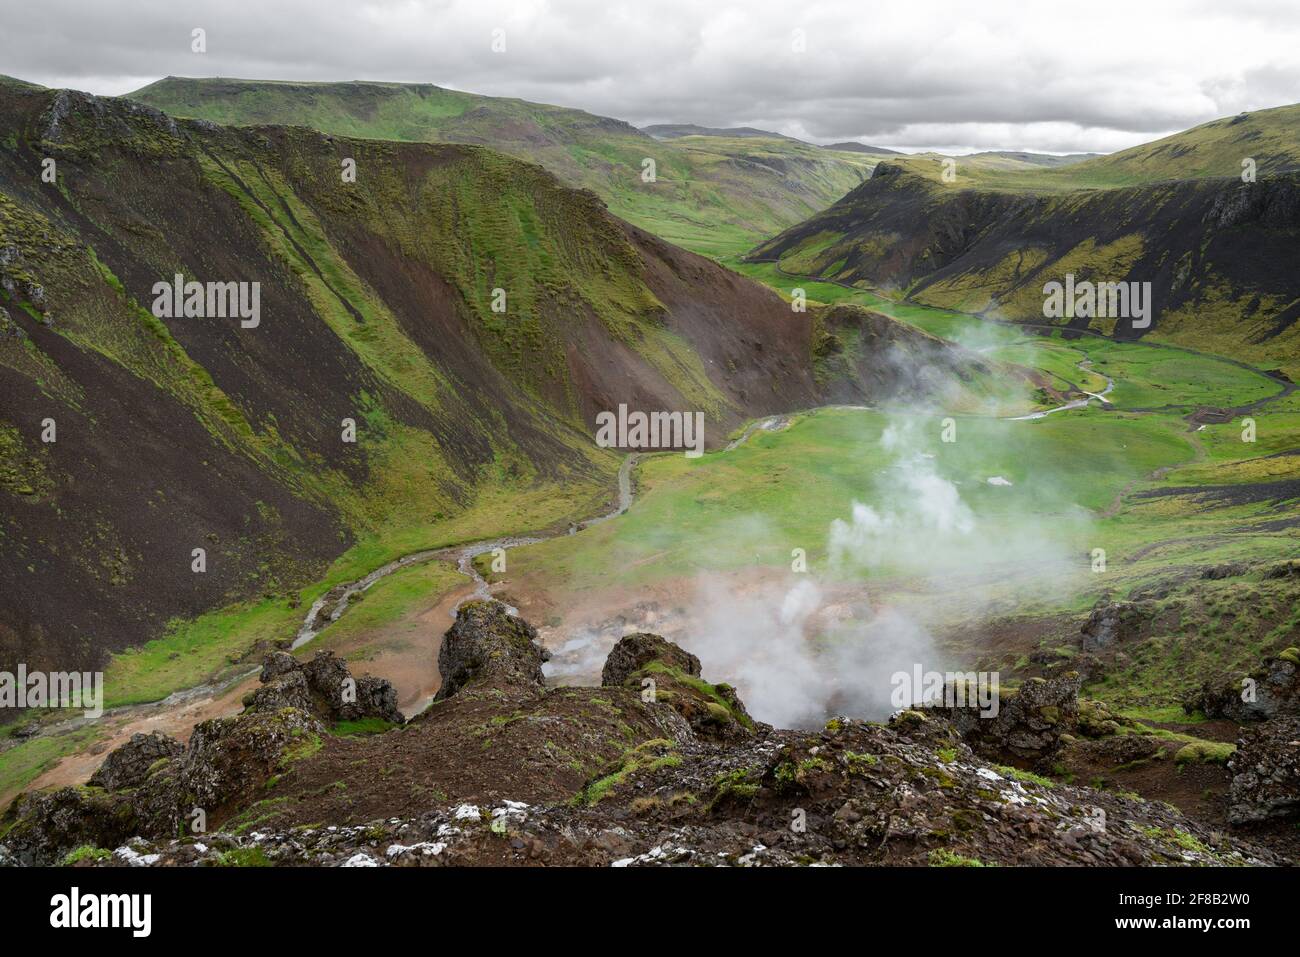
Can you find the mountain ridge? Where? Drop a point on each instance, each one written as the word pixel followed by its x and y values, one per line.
pixel 690 197
pixel 988 239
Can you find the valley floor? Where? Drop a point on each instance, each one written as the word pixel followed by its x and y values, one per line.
pixel 987 552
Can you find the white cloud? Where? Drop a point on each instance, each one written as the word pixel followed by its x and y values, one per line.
pixel 944 73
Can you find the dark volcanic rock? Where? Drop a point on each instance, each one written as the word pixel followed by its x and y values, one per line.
pixel 1114 622
pixel 1266 772
pixel 1268 692
pixel 129 765
pixel 227 761
pixel 323 686
pixel 490 648
pixel 278 663
pixel 229 758
pixel 634 652
pixel 1029 723
pixel 40 826
pixel 376 698
pixel 344 698
pixel 1289 569
pixel 287 690
pixel 657 667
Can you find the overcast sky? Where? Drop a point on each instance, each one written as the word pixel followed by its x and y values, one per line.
pixel 912 74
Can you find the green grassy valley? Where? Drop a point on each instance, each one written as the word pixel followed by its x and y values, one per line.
pixel 1164 496
pixel 379 295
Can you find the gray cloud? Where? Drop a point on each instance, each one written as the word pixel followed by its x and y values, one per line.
pixel 941 74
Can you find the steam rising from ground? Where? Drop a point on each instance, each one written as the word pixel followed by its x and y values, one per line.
pixel 824 644
pixel 920 550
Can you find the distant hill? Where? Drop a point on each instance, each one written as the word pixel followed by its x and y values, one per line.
pixel 852 147
pixel 672 131
pixel 1219 252
pixel 1038 159
pixel 714 199
pixel 1270 137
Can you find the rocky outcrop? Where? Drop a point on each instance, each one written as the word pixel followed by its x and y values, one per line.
pixel 505 771
pixel 1266 772
pixel 633 652
pixel 227 761
pixel 325 687
pixel 40 826
pixel 229 758
pixel 1114 623
pixel 851 794
pixel 1029 722
pixel 664 673
pixel 130 765
pixel 1270 691
pixel 490 648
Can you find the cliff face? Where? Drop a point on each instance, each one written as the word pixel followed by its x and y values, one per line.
pixel 1216 250
pixel 657 766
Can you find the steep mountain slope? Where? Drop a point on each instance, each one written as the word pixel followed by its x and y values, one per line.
pixel 376 307
pixel 697 196
pixel 1217 250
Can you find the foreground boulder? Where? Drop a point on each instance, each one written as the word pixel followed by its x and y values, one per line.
pixel 227 762
pixel 1029 723
pixel 633 652
pixel 230 758
pixel 325 687
pixel 1266 772
pixel 663 672
pixel 1114 623
pixel 491 648
pixel 130 765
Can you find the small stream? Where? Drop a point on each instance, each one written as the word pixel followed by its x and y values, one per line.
pixel 1084 366
pixel 329 607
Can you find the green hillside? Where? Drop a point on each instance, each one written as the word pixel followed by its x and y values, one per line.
pixel 712 195
pixel 987 234
pixel 377 312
